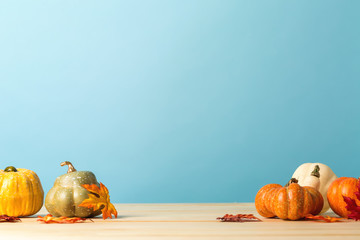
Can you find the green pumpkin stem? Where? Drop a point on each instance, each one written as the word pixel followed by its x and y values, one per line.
pixel 71 167
pixel 316 172
pixel 10 169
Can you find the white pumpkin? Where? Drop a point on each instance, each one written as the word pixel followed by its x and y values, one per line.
pixel 307 175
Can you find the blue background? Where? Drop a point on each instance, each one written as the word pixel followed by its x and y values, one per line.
pixel 180 101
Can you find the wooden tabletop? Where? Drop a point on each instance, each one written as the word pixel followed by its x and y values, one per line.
pixel 180 221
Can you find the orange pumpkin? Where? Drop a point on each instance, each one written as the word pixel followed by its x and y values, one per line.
pixel 344 186
pixel 291 202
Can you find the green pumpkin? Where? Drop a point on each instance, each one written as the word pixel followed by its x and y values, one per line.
pixel 64 197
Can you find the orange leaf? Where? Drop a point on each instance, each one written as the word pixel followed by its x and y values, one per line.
pixel 50 219
pixel 99 199
pixel 323 218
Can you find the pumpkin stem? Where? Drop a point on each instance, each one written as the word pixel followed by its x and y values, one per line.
pixel 316 172
pixel 292 180
pixel 10 169
pixel 71 167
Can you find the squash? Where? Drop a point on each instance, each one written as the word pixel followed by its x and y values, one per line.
pixel 344 186
pixel 316 175
pixel 67 194
pixel 291 202
pixel 21 192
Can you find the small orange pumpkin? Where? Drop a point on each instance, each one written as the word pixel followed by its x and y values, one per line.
pixel 291 202
pixel 344 186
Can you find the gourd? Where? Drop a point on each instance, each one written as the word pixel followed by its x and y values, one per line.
pixel 21 192
pixel 291 202
pixel 316 175
pixel 64 197
pixel 343 186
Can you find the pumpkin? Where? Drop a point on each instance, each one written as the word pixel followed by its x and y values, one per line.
pixel 64 197
pixel 318 176
pixel 21 192
pixel 291 202
pixel 343 186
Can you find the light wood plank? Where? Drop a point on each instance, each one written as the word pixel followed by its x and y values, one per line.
pixel 180 221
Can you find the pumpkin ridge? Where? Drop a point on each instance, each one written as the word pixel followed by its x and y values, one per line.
pixel 28 198
pixel 273 200
pixel 265 196
pixel 307 203
pixel 271 196
pixel 294 201
pixel 269 200
pixel 30 204
pixel 280 203
pixel 287 201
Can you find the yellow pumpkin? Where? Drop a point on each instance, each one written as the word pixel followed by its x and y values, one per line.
pixel 21 193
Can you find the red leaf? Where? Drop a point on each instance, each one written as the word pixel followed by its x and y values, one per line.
pixel 351 205
pixel 239 218
pixel 6 218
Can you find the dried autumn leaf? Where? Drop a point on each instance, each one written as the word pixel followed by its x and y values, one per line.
pixel 6 218
pixel 99 199
pixel 239 218
pixel 351 205
pixel 50 219
pixel 323 218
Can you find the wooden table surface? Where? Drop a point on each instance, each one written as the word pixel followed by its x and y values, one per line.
pixel 180 221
